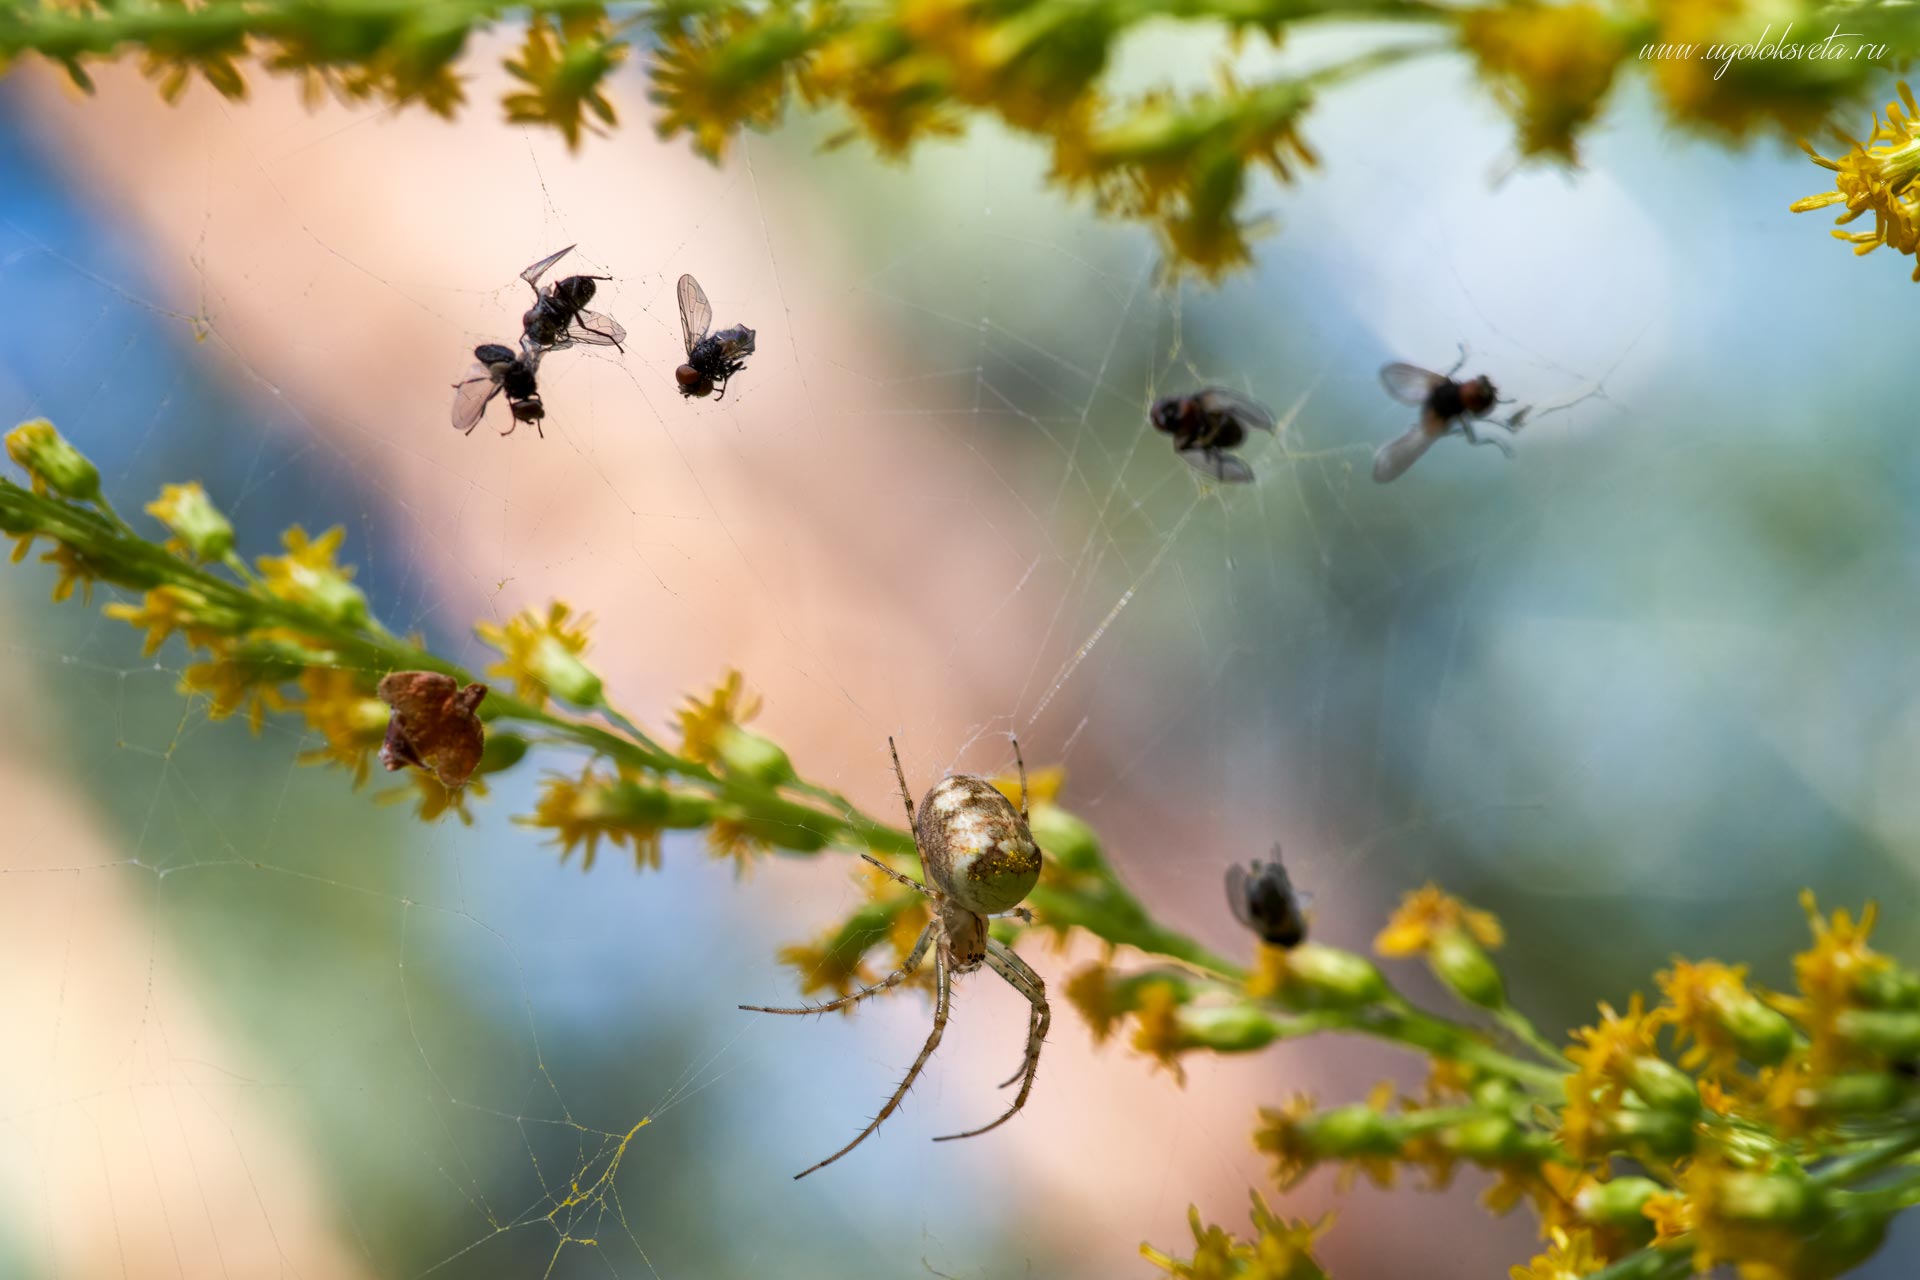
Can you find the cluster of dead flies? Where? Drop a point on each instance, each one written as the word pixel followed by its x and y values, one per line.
pixel 1209 424
pixel 559 319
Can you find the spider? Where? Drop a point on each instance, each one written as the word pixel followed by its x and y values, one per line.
pixel 981 859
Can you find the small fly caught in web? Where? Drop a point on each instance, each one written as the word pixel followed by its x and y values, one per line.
pixel 1262 898
pixel 1207 425
pixel 559 316
pixel 1446 406
pixel 499 369
pixel 712 358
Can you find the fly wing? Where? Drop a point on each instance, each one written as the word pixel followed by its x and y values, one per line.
pixel 470 397
pixel 1395 456
pixel 596 330
pixel 696 314
pixel 1409 383
pixel 1217 464
pixel 1238 895
pixel 533 273
pixel 1250 414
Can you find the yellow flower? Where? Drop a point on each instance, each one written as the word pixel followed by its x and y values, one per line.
pixel 1708 1003
pixel 337 707
pixel 731 838
pixel 1281 1134
pixel 1735 95
pixel 541 655
pixel 581 812
pixel 1552 64
pixel 167 609
pixel 199 529
pixel 1830 976
pixel 829 965
pixel 1570 1256
pixel 1091 991
pixel 702 722
pixel 232 683
pixel 308 576
pixel 1877 176
pixel 1157 1031
pixel 725 71
pixel 1427 913
pixel 1043 785
pixel 1671 1215
pixel 74 572
pixel 435 800
pixel 1280 1249
pixel 1605 1052
pixel 564 79
pixel 53 463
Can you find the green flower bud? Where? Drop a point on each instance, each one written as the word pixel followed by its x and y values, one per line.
pixel 1890 988
pixel 1764 1198
pixel 1464 966
pixel 563 674
pixel 1765 1037
pixel 1069 842
pixel 1665 1133
pixel 746 754
pixel 1234 1028
pixel 1320 977
pixel 503 751
pixel 1894 1032
pixel 1346 1132
pixel 1618 1202
pixel 1488 1138
pixel 190 514
pixel 1859 1093
pixel 1662 1085
pixel 644 805
pixel 50 460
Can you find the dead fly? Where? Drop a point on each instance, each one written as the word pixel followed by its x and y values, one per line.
pixel 1445 406
pixel 711 358
pixel 559 316
pixel 1205 424
pixel 433 726
pixel 499 369
pixel 1263 899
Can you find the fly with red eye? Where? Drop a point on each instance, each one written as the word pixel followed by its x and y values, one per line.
pixel 712 358
pixel 1446 406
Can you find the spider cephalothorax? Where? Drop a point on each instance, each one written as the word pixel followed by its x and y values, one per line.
pixel 981 860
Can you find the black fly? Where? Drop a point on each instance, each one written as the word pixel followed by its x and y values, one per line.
pixel 559 316
pixel 1445 406
pixel 499 369
pixel 1205 424
pixel 711 358
pixel 1263 899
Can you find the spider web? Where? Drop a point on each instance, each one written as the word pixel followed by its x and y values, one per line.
pixel 265 1029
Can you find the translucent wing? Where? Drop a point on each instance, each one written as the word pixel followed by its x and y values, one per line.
pixel 470 397
pixel 596 330
pixel 1238 895
pixel 696 314
pixel 1251 413
pixel 1409 383
pixel 533 273
pixel 1395 456
pixel 1217 464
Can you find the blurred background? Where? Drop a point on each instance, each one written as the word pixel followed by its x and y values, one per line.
pixel 1631 690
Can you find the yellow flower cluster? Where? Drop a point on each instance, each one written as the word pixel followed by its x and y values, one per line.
pixel 540 653
pixel 1876 176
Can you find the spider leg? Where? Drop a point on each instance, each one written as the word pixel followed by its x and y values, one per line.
pixel 908 881
pixel 944 984
pixel 1005 962
pixel 906 797
pixel 1017 759
pixel 892 980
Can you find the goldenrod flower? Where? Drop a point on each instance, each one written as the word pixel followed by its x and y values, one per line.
pixel 308 576
pixel 74 572
pixel 1157 1030
pixel 1092 992
pixel 1281 1134
pixel 1570 1256
pixel 563 79
pixel 199 528
pixel 1280 1249
pixel 337 706
pixel 53 464
pixel 435 800
pixel 585 810
pixel 541 655
pixel 1552 64
pixel 727 70
pixel 1043 785
pixel 703 721
pixel 1709 1004
pixel 1671 1214
pixel 233 683
pixel 828 965
pixel 1877 176
pixel 167 609
pixel 1427 913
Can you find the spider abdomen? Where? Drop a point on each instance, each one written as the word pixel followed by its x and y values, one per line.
pixel 976 847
